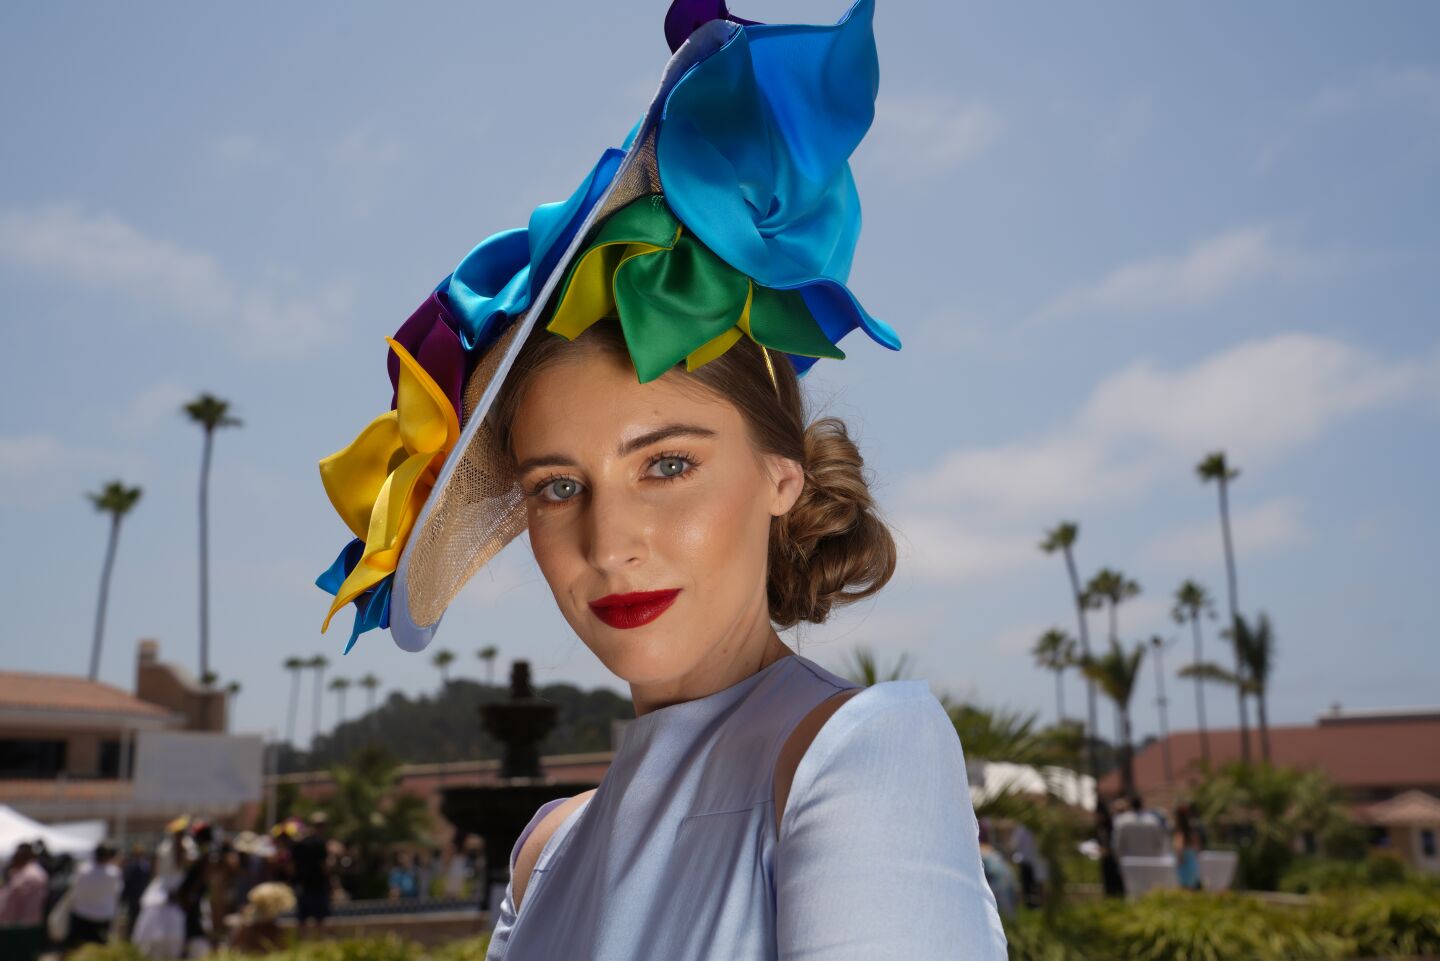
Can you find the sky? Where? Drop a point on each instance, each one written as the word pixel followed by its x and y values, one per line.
pixel 1112 238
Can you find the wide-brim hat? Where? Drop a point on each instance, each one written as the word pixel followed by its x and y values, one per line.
pixel 743 152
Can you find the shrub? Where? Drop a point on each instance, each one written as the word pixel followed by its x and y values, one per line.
pixel 1394 922
pixel 1311 875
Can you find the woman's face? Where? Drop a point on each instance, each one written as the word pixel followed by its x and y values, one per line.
pixel 650 487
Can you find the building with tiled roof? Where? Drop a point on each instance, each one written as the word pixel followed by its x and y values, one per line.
pixel 1386 762
pixel 67 742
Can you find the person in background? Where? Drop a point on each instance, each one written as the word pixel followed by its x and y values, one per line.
pixel 311 858
pixel 22 905
pixel 225 871
pixel 97 887
pixel 136 874
pixel 404 881
pixel 456 868
pixel 259 931
pixel 193 892
pixel 427 868
pixel 1188 845
pixel 998 873
pixel 1034 869
pixel 1112 881
pixel 1139 833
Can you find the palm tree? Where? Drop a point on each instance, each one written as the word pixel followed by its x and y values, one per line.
pixel 1159 644
pixel 294 665
pixel 318 662
pixel 340 685
pixel 488 654
pixel 211 413
pixel 442 660
pixel 1116 672
pixel 1215 468
pixel 1191 601
pixel 1256 647
pixel 1055 651
pixel 865 669
pixel 233 691
pixel 117 500
pixel 1062 538
pixel 370 682
pixel 1110 588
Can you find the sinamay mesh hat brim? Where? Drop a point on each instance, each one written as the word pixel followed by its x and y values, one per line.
pixel 476 506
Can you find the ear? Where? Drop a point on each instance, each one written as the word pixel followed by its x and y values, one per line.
pixel 787 480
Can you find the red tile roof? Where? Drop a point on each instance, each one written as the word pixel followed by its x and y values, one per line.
pixel 1412 808
pixel 64 692
pixel 1369 753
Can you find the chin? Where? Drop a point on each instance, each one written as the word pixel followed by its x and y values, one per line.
pixel 642 655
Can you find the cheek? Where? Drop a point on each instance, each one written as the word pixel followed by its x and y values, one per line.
pixel 718 534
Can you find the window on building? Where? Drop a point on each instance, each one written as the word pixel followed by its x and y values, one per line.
pixel 31 758
pixel 110 754
pixel 1427 842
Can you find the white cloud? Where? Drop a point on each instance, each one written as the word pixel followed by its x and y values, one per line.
pixel 38 469
pixel 110 255
pixel 156 404
pixel 926 136
pixel 937 546
pixel 979 510
pixel 1211 269
pixel 1267 527
pixel 1408 89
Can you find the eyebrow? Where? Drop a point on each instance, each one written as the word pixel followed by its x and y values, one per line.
pixel 626 448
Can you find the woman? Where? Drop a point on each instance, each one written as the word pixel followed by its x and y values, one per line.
pixel 1187 842
pixel 683 508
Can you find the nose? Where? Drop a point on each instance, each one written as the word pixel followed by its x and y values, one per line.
pixel 615 530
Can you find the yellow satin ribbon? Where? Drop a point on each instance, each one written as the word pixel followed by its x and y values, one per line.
pixel 381 480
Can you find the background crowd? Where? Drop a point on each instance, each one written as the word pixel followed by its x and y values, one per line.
pixel 200 889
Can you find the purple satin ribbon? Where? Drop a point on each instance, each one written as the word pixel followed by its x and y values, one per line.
pixel 685 16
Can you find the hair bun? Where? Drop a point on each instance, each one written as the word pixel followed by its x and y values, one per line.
pixel 831 547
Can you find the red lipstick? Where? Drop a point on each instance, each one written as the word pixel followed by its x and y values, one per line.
pixel 634 609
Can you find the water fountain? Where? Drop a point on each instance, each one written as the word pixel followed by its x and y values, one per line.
pixel 499 812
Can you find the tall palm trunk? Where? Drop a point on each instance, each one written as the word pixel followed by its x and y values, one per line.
pixel 104 596
pixel 1160 702
pixel 1091 726
pixel 1127 754
pixel 205 554
pixel 1234 616
pixel 1059 695
pixel 294 706
pixel 315 717
pixel 1200 691
pixel 1264 726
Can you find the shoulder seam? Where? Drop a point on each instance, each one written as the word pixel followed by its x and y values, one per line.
pixel 833 736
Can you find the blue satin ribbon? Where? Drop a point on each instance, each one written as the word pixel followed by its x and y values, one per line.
pixel 372 608
pixel 753 154
pixel 498 280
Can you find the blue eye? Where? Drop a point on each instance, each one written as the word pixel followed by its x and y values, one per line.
pixel 671 467
pixel 559 489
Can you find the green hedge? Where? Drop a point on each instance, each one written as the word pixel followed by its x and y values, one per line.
pixel 1393 922
pixel 385 948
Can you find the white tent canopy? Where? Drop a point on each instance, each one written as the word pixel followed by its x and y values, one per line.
pixel 16 828
pixel 996 777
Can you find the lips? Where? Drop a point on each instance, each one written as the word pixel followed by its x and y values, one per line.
pixel 632 610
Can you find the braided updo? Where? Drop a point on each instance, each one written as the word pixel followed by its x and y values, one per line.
pixel 831 547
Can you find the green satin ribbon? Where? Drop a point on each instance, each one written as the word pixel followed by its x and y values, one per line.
pixel 676 300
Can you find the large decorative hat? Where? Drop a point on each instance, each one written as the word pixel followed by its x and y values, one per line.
pixel 728 211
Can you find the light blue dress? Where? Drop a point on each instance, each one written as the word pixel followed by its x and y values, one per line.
pixel 674 857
